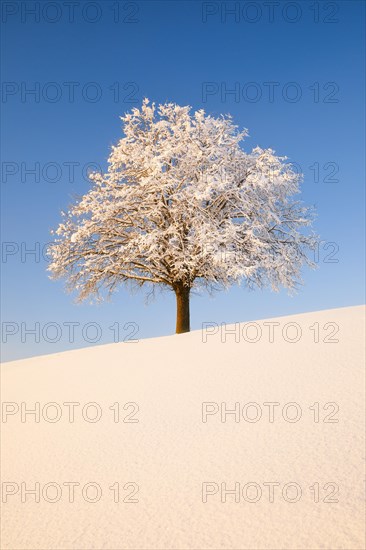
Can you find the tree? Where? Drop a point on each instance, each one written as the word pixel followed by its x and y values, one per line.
pixel 184 207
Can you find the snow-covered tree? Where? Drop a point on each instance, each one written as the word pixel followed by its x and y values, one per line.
pixel 184 207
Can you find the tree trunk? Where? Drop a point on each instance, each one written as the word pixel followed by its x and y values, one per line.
pixel 182 295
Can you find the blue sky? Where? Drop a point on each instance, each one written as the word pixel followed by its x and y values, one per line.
pixel 297 80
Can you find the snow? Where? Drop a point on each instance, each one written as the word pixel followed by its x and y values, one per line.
pixel 171 452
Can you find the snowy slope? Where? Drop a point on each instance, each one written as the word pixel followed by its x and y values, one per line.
pixel 171 462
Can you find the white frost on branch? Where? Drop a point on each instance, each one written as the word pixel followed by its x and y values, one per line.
pixel 183 204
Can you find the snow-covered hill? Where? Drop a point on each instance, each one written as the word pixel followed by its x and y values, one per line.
pixel 148 424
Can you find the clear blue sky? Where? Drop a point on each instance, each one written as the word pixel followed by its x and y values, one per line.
pixel 190 53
